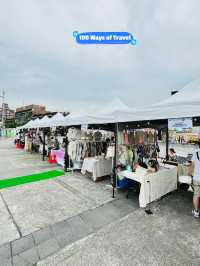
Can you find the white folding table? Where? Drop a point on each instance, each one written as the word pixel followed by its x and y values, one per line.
pixel 155 185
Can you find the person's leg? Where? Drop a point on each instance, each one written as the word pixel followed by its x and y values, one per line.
pixel 196 202
pixel 196 196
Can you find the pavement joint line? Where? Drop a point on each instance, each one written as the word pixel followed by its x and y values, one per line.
pixel 68 187
pixel 69 218
pixel 73 190
pixel 11 252
pixel 12 217
pixel 79 215
pixel 35 245
pixel 55 237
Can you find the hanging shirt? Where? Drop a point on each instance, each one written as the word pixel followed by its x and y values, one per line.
pixel 126 137
pixel 196 161
pixel 72 150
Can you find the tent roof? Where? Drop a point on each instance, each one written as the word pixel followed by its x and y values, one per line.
pixel 41 122
pixel 158 113
pixel 188 95
pixel 57 120
pixel 183 104
pixel 115 105
pixel 87 119
pixel 29 124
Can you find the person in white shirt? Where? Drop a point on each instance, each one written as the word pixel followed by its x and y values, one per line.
pixel 196 181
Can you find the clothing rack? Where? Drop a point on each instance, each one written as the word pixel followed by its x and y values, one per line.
pixel 149 144
pixel 86 140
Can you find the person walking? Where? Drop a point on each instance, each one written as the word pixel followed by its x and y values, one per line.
pixel 196 181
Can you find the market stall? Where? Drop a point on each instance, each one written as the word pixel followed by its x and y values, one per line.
pixel 180 108
pixel 134 140
pixel 87 151
pixel 155 185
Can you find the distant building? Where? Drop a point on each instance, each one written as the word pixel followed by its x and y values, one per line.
pixel 10 123
pixel 25 113
pixel 49 114
pixel 8 113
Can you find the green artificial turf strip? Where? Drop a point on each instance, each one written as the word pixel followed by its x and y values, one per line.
pixel 12 182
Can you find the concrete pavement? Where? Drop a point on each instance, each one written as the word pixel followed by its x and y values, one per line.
pixel 30 249
pixel 33 206
pixel 72 221
pixel 170 236
pixel 29 212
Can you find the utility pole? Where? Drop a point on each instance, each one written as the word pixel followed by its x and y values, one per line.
pixel 3 108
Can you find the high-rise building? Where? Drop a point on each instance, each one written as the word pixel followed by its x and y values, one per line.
pixel 6 112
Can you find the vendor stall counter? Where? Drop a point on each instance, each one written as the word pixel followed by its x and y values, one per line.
pixel 155 185
pixel 99 167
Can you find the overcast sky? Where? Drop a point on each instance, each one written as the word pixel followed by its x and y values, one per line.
pixel 41 63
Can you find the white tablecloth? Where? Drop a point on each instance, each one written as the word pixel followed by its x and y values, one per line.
pixel 160 183
pixel 98 167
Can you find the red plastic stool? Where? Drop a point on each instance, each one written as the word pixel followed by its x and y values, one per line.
pixel 17 145
pixel 52 159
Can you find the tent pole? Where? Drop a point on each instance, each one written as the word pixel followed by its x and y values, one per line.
pixel 66 159
pixel 167 143
pixel 115 160
pixel 43 150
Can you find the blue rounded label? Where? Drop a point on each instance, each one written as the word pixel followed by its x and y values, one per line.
pixel 104 38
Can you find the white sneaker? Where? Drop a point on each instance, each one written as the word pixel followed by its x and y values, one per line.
pixel 195 213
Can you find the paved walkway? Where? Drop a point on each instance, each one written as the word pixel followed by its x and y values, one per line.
pixel 31 207
pixel 38 219
pixel 169 237
pixel 30 249
pixel 71 220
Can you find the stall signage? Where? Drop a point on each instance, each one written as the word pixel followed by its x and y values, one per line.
pixel 84 127
pixel 180 123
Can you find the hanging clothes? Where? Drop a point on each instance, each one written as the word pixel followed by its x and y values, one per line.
pixel 126 137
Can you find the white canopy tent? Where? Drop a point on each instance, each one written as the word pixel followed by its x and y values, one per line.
pixel 30 124
pixel 44 122
pixel 116 105
pixel 155 113
pixel 188 95
pixel 186 103
pixel 34 123
pixel 55 121
pixel 24 126
pixel 87 119
pixel 70 120
pixel 183 104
